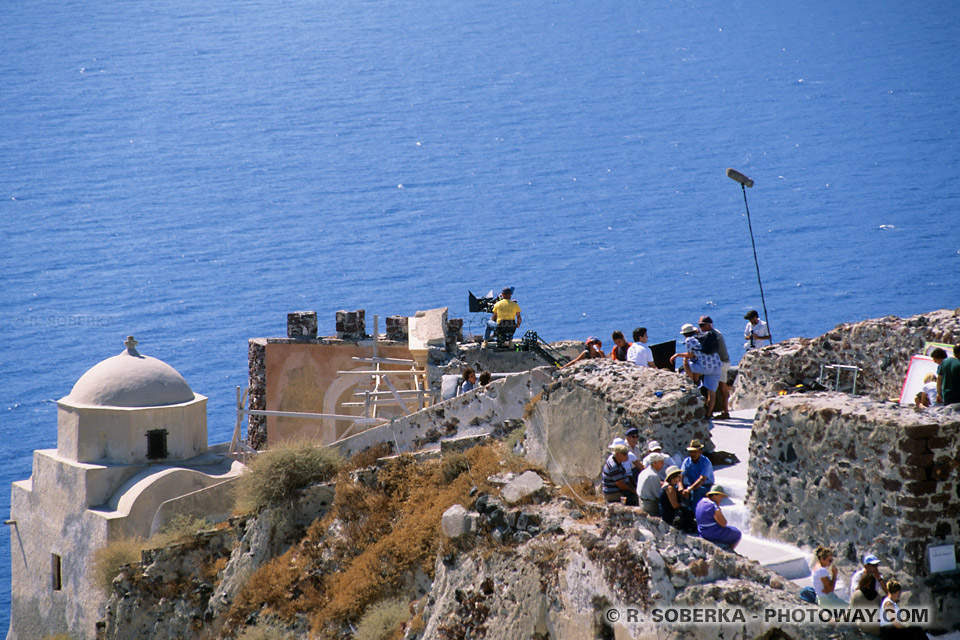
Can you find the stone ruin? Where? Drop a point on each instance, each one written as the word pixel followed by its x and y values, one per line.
pixel 881 347
pixel 588 405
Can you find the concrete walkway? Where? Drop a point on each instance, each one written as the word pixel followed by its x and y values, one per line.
pixel 733 436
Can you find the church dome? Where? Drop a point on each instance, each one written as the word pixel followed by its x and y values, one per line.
pixel 131 380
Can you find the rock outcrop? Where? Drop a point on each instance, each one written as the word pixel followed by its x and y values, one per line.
pixel 594 401
pixel 861 476
pixel 881 347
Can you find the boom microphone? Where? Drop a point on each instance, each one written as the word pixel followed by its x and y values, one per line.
pixel 733 174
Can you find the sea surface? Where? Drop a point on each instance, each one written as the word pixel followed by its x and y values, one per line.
pixel 189 172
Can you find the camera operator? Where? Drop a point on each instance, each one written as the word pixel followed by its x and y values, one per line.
pixel 505 310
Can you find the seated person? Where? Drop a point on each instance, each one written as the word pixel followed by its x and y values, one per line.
pixel 485 378
pixel 469 380
pixel 593 350
pixel 711 522
pixel 620 347
pixel 670 495
pixel 615 478
pixel 871 566
pixel 867 598
pixel 649 485
pixel 639 353
pixel 825 579
pixel 697 473
pixel 506 312
pixel 890 626
pixel 927 396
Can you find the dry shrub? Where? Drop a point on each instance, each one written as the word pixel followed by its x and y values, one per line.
pixel 107 560
pixel 531 405
pixel 266 631
pixel 452 466
pixel 179 530
pixel 369 456
pixel 277 475
pixel 383 620
pixel 389 531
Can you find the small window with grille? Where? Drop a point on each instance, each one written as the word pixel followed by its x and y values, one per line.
pixel 157 444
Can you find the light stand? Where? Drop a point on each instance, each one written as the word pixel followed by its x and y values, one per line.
pixel 745 182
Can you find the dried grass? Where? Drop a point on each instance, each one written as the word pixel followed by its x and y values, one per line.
pixel 388 531
pixel 275 476
pixel 383 620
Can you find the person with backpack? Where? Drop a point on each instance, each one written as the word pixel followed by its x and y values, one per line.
pixel 696 360
pixel 723 389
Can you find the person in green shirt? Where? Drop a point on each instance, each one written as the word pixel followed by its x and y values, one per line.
pixel 948 375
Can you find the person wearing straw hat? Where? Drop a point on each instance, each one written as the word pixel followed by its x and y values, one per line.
pixel 614 477
pixel 711 522
pixel 669 495
pixel 697 474
pixel 697 363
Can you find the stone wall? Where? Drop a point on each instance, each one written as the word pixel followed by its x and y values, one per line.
pixel 858 475
pixel 483 410
pixel 882 347
pixel 594 401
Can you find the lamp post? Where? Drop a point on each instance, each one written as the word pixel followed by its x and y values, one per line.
pixel 745 182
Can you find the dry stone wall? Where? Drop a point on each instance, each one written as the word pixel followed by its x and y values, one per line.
pixel 859 475
pixel 881 347
pixel 595 401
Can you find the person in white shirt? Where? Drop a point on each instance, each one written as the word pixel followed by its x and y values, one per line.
pixel 639 353
pixel 825 579
pixel 756 333
pixel 871 565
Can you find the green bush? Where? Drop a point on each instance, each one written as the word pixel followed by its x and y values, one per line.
pixel 278 474
pixel 380 621
pixel 107 560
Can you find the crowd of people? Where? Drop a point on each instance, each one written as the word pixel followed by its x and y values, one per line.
pixel 683 495
pixel 877 598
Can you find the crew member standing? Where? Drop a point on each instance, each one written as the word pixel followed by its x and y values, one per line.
pixel 756 333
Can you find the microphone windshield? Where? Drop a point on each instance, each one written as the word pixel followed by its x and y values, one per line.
pixel 733 174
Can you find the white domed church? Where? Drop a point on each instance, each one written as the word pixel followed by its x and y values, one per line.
pixel 131 454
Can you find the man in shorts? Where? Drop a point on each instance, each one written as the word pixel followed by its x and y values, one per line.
pixel 695 361
pixel 723 389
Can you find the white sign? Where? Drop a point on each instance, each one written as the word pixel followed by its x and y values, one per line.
pixel 942 558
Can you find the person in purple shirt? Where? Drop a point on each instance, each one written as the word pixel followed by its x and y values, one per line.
pixel 711 522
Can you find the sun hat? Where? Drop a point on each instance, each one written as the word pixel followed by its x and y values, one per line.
pixel 671 471
pixel 632 431
pixel 620 448
pixel 716 490
pixel 870 559
pixel 751 314
pixel 687 328
pixel 617 441
pixel 656 456
pixel 593 339
pixel 653 445
pixel 695 445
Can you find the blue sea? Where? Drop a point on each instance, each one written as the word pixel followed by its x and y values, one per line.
pixel 189 172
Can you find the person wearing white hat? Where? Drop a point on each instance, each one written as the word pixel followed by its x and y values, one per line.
pixel 648 484
pixel 614 478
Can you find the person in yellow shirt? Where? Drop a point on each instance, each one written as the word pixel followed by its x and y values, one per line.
pixel 505 310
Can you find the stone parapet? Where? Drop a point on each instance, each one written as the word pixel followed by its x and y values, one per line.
pixel 302 324
pixel 881 347
pixel 351 325
pixel 857 475
pixel 595 401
